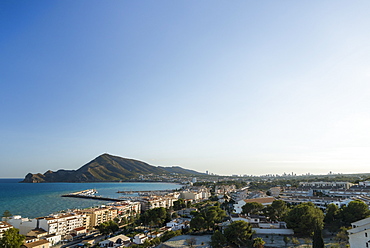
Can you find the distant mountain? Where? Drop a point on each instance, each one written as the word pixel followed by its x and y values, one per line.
pixel 179 170
pixel 106 167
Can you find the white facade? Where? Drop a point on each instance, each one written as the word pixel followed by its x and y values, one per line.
pixel 178 224
pixel 53 239
pixel 364 184
pixel 61 225
pixel 3 227
pixel 345 185
pixel 140 239
pixel 24 225
pixel 359 235
pixel 116 240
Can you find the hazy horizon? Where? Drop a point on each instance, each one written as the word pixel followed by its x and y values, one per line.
pixel 242 87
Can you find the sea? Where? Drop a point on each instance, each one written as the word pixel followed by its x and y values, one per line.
pixel 41 199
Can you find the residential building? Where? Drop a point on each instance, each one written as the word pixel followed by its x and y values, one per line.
pixel 52 238
pixel 127 208
pixel 178 224
pixel 3 227
pixel 263 200
pixel 99 215
pixel 61 224
pixel 151 202
pixel 24 225
pixel 37 233
pixel 341 185
pixel 359 235
pixel 116 241
pixel 42 243
pixel 140 239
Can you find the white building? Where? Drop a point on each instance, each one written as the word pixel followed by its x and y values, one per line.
pixel 263 200
pixel 140 239
pixel 359 235
pixel 345 185
pixel 61 224
pixel 364 184
pixel 116 241
pixel 3 227
pixel 24 225
pixel 178 224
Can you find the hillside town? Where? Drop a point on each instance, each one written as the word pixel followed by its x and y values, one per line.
pixel 209 214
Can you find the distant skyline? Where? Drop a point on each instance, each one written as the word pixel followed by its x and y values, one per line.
pixel 241 87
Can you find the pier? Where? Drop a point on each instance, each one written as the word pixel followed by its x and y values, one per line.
pixel 94 197
pixel 90 194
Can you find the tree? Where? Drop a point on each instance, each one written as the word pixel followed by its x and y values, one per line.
pixel 197 223
pixel 317 240
pixel 276 210
pixel 218 240
pixel 155 216
pixel 295 241
pixel 239 233
pixel 286 240
pixel 179 204
pixel 108 227
pixel 332 218
pixel 258 242
pixel 6 215
pixel 356 210
pixel 12 239
pixel 304 218
pixel 191 242
pixel 342 235
pixel 252 208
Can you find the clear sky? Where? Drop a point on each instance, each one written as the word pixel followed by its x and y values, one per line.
pixel 232 87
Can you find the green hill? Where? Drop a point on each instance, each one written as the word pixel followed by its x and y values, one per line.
pixel 106 167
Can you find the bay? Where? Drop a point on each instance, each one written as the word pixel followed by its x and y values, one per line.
pixel 41 199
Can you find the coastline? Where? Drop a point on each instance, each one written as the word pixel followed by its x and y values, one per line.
pixel 38 199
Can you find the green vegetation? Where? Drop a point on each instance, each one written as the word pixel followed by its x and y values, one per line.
pixel 276 211
pixel 252 208
pixel 155 217
pixel 239 233
pixel 317 240
pixel 335 217
pixel 218 240
pixel 106 168
pixel 207 217
pixel 356 210
pixel 12 239
pixel 179 204
pixel 108 227
pixel 258 242
pixel 304 218
pixel 6 214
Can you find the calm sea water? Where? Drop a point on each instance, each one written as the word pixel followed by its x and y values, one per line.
pixel 40 199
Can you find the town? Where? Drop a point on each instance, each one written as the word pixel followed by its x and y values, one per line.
pixel 238 211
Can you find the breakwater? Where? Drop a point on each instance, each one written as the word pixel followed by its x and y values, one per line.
pixel 90 194
pixel 94 197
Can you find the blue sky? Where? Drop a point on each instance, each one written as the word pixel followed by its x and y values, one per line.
pixel 241 87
